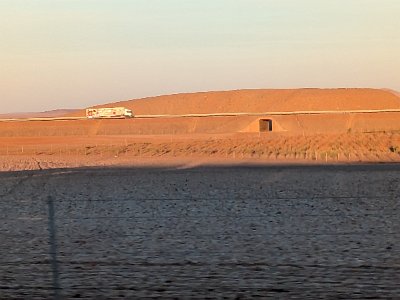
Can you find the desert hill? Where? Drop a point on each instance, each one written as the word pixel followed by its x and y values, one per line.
pixel 45 114
pixel 396 93
pixel 257 101
pixel 263 101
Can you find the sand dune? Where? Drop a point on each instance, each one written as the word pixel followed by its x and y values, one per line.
pixel 263 101
pixel 233 101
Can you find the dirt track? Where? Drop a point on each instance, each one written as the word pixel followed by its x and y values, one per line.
pixel 238 232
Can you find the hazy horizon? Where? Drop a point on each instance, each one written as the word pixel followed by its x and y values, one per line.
pixel 73 54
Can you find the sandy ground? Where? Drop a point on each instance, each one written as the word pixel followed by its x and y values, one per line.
pixel 62 152
pixel 285 232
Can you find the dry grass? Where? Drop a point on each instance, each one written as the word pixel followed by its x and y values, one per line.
pixel 341 147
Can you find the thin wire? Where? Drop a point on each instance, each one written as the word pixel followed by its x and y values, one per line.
pixel 233 198
pixel 194 217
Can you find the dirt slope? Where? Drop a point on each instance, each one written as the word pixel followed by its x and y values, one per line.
pixel 233 101
pixel 396 93
pixel 263 101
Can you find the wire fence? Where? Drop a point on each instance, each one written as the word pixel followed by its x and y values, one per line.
pixel 62 150
pixel 187 150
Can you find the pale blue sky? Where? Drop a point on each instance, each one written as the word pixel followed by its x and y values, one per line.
pixel 76 53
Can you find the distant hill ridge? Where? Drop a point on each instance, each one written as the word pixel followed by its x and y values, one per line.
pixel 263 100
pixel 45 114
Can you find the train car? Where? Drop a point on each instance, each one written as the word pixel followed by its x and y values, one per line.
pixel 109 113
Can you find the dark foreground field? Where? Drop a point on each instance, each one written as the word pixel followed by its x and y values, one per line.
pixel 217 232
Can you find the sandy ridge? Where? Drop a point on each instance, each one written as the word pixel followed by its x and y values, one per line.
pixel 262 100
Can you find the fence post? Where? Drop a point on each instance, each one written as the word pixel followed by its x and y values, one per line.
pixel 53 247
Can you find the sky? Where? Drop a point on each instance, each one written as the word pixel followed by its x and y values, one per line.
pixel 77 53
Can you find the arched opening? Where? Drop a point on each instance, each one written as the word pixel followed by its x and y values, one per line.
pixel 265 125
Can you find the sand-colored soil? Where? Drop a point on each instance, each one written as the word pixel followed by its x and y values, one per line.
pixel 289 125
pixel 252 101
pixel 301 138
pixel 263 101
pixel 56 152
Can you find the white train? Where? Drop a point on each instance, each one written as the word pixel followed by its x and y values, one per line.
pixel 109 113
